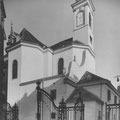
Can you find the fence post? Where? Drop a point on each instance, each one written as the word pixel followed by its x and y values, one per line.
pixel 62 110
pixel 38 101
pixel 15 112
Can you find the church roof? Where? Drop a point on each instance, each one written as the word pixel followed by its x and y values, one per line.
pixel 65 43
pixel 85 95
pixel 28 37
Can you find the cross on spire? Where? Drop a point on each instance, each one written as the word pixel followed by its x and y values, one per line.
pixel 11 31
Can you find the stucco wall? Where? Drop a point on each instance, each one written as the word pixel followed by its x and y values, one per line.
pixel 48 63
pixel 31 64
pixel 90 108
pixel 28 103
pixel 95 89
pixel 101 91
pixel 84 61
pixel 81 35
pixel 13 89
pixel 89 61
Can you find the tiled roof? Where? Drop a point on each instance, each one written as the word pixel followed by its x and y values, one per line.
pixel 28 37
pixel 85 95
pixel 90 79
pixel 62 44
pixel 65 43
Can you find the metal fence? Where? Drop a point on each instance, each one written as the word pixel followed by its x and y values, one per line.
pixel 112 111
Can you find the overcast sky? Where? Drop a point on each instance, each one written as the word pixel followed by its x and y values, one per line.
pixel 51 21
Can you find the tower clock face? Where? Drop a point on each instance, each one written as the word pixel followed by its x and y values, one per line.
pixel 80 18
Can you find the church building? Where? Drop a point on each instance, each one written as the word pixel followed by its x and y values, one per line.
pixel 64 69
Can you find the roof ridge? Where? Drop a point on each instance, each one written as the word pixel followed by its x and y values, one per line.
pixel 87 72
pixel 84 91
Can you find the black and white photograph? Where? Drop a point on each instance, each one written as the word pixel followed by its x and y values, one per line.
pixel 59 60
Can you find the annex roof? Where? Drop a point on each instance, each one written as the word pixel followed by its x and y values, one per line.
pixel 85 95
pixel 90 79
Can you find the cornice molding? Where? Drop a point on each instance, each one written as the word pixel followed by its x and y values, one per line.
pixel 83 3
pixel 75 46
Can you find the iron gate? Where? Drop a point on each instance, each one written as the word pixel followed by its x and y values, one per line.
pixel 60 112
pixel 112 111
pixel 12 113
pixel 75 112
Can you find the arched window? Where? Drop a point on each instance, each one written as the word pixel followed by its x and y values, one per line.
pixel 90 20
pixel 60 66
pixel 14 69
pixel 91 41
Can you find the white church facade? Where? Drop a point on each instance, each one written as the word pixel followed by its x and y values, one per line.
pixel 66 68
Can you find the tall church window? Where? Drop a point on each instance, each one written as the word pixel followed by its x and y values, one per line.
pixel 91 41
pixel 14 69
pixel 115 99
pixel 60 66
pixel 90 20
pixel 108 95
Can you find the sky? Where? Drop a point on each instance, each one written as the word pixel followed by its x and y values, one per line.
pixel 51 21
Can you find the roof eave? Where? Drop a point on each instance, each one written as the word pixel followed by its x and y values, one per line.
pixel 70 82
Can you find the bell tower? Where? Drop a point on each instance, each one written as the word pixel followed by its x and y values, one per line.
pixel 83 37
pixel 83 22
